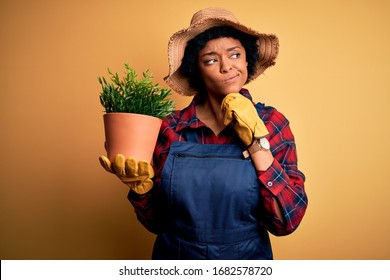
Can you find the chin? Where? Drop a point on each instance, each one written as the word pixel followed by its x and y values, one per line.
pixel 233 90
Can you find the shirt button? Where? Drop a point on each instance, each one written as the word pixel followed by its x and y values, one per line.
pixel 269 184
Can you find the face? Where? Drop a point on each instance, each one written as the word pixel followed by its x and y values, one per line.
pixel 223 67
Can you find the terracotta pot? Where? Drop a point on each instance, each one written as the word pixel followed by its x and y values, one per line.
pixel 131 135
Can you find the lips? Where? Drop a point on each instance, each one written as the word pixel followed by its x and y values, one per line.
pixel 230 79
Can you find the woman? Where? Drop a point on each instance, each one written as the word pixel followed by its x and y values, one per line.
pixel 224 169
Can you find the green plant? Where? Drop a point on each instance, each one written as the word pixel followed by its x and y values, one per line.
pixel 131 95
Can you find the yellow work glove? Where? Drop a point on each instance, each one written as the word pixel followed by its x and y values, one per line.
pixel 137 175
pixel 240 111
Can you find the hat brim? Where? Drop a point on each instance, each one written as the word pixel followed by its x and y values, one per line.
pixel 268 51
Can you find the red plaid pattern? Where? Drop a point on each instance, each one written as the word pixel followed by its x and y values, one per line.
pixel 282 181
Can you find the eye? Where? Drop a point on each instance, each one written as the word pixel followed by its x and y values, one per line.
pixel 210 61
pixel 235 55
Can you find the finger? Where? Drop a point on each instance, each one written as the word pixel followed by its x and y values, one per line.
pixel 145 168
pixel 106 163
pixel 119 165
pixel 237 101
pixel 240 103
pixel 228 113
pixel 143 188
pixel 243 130
pixel 226 101
pixel 134 182
pixel 131 167
pixel 252 121
pixel 132 185
pixel 231 109
pixel 260 130
pixel 232 96
pixel 137 179
pixel 228 116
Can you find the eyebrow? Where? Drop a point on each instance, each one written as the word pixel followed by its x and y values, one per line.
pixel 213 53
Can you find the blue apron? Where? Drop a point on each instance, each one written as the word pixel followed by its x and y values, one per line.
pixel 208 203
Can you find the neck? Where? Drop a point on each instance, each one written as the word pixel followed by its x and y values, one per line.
pixel 210 113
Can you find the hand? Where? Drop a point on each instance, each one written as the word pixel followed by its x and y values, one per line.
pixel 246 121
pixel 136 175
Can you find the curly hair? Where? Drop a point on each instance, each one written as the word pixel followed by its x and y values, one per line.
pixel 189 65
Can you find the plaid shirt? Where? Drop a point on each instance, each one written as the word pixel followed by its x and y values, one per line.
pixel 281 181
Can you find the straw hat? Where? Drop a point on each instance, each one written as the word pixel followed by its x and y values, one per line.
pixel 200 22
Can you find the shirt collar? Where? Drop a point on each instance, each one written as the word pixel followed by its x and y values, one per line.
pixel 188 117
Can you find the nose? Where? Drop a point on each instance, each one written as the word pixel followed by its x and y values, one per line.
pixel 225 65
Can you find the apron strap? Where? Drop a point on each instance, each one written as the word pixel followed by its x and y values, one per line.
pixel 259 106
pixel 191 136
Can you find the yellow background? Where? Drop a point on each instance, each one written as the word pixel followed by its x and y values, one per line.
pixel 330 80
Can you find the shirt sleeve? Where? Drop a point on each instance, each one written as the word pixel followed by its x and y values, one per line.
pixel 282 181
pixel 143 207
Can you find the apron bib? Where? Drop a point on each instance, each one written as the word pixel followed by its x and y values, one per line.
pixel 208 203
